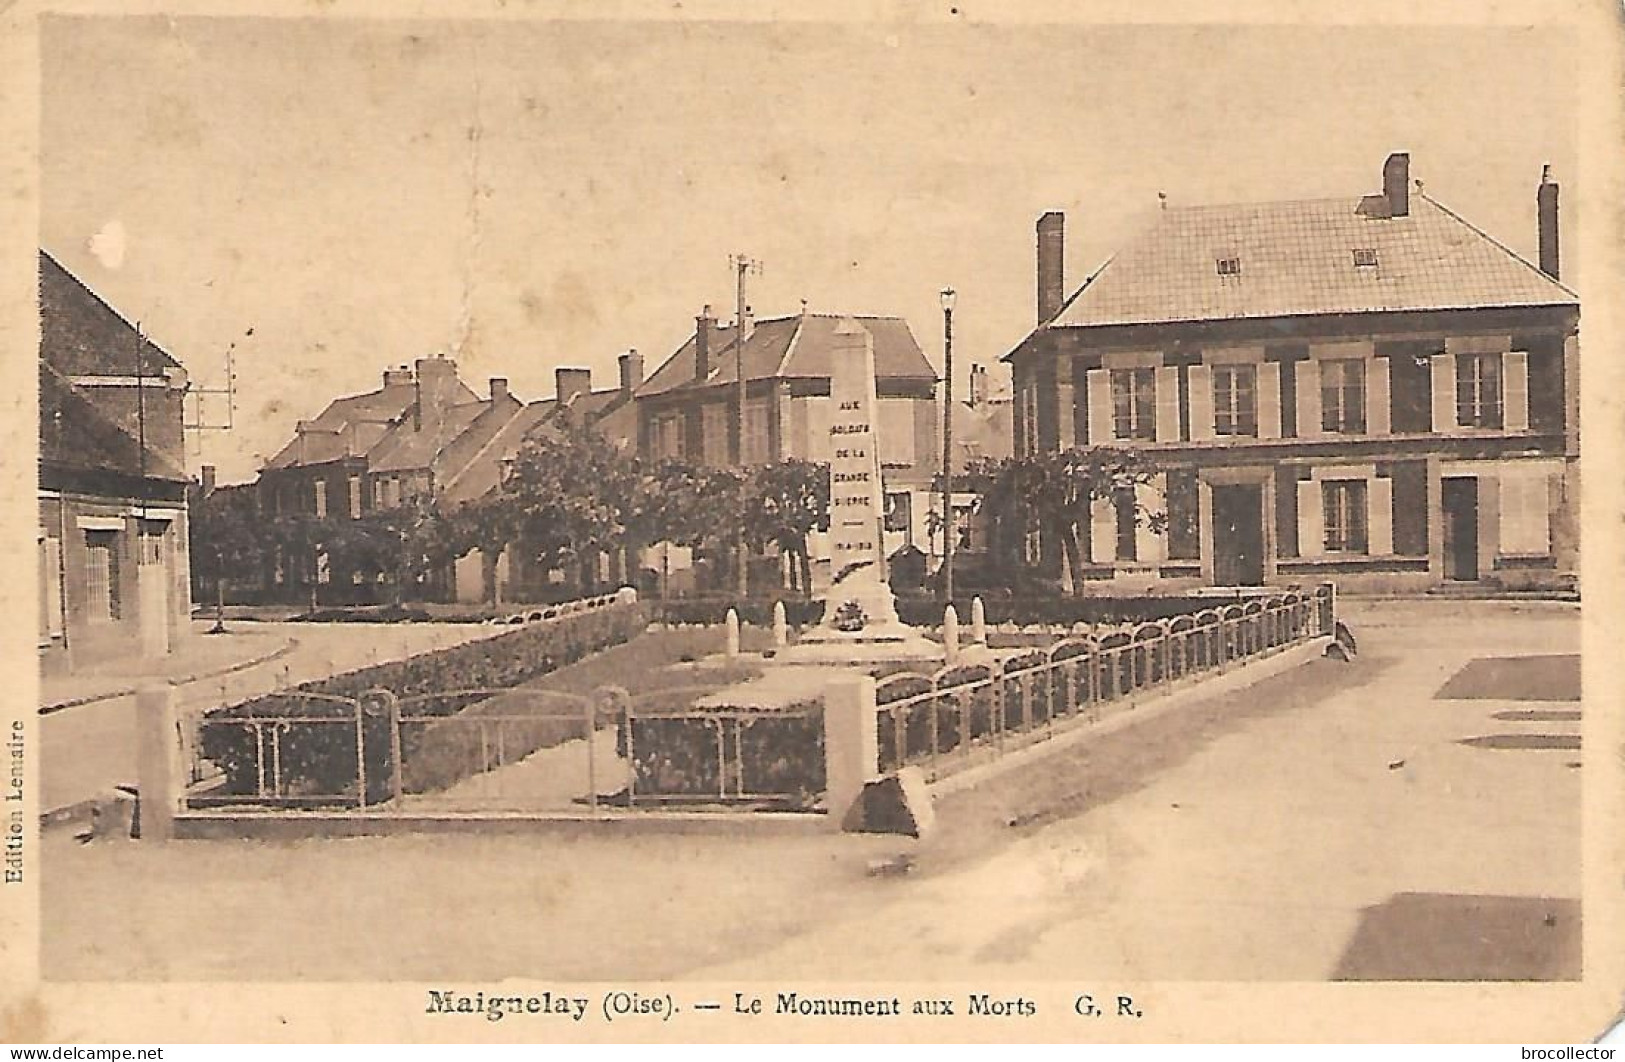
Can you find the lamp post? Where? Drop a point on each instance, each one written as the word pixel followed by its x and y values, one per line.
pixel 947 297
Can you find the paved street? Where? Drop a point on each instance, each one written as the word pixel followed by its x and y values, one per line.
pixel 89 748
pixel 1397 817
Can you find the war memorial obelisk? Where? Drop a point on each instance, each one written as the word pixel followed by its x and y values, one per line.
pixel 860 613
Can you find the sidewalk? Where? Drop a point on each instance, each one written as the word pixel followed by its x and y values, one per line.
pixel 198 655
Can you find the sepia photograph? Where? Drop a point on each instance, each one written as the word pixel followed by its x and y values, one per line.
pixel 729 524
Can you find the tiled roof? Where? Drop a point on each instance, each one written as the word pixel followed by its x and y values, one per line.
pixel 409 446
pixel 74 434
pixel 792 347
pixel 1298 258
pixel 348 427
pixel 483 471
pixel 80 335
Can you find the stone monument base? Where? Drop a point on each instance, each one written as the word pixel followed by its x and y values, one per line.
pixel 881 638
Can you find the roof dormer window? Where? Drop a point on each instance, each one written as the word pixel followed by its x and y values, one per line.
pixel 1228 267
pixel 1365 258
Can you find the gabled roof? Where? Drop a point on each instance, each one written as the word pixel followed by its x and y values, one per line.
pixel 348 427
pixel 410 445
pixel 785 347
pixel 74 434
pixel 81 335
pixel 483 471
pixel 1297 258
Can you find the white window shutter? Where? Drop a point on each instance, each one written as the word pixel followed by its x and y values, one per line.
pixel 1380 493
pixel 1149 547
pixel 1167 385
pixel 1525 514
pixel 1066 421
pixel 1098 382
pixel 1200 378
pixel 1308 398
pixel 1515 381
pixel 1311 519
pixel 1102 531
pixel 1378 398
pixel 1443 367
pixel 1268 398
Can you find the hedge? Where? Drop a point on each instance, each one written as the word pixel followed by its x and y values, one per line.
pixel 926 611
pixel 318 758
pixel 675 757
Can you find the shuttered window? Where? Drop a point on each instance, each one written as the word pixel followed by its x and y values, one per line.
pixel 1343 515
pixel 1478 390
pixel 1134 404
pixel 1235 400
pixel 101 576
pixel 1525 515
pixel 1342 396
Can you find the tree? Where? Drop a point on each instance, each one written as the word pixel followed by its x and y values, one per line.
pixel 1055 492
pixel 785 502
pixel 227 539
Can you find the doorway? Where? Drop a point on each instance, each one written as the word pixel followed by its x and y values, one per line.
pixel 1459 500
pixel 1238 535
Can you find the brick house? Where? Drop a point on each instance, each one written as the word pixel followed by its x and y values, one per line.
pixel 1367 388
pixel 688 409
pixel 113 560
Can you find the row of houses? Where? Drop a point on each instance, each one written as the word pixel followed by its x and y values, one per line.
pixel 1366 387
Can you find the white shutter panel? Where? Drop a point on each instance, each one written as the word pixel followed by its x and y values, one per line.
pixel 1311 520
pixel 1066 419
pixel 1515 390
pixel 1167 389
pixel 1200 379
pixel 53 586
pixel 1098 382
pixel 1269 400
pixel 1308 398
pixel 1443 367
pixel 1380 493
pixel 1102 531
pixel 1378 400
pixel 1149 547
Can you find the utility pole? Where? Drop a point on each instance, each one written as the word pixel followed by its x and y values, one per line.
pixel 743 265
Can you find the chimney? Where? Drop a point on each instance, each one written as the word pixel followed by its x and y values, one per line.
pixel 1546 209
pixel 206 480
pixel 499 389
pixel 702 344
pixel 1051 264
pixel 1396 184
pixel 437 381
pixel 631 372
pixel 569 383
pixel 978 385
pixel 400 377
pixel 747 324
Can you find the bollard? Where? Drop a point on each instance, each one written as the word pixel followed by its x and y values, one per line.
pixel 730 624
pixel 950 636
pixel 156 744
pixel 978 621
pixel 851 743
pixel 781 627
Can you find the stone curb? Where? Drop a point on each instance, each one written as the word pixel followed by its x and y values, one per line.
pixel 177 680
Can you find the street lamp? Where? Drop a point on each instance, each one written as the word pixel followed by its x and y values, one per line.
pixel 947 297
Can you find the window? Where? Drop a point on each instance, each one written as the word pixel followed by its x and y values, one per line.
pixel 1134 404
pixel 1525 515
pixel 101 576
pixel 964 516
pixel 667 432
pixel 1228 267
pixel 321 498
pixel 150 542
pixel 1365 258
pixel 1342 396
pixel 758 448
pixel 355 497
pixel 899 513
pixel 1235 400
pixel 1343 504
pixel 1029 420
pixel 714 434
pixel 1478 390
pixel 1127 538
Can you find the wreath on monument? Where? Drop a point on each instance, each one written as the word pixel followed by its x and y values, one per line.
pixel 850 617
